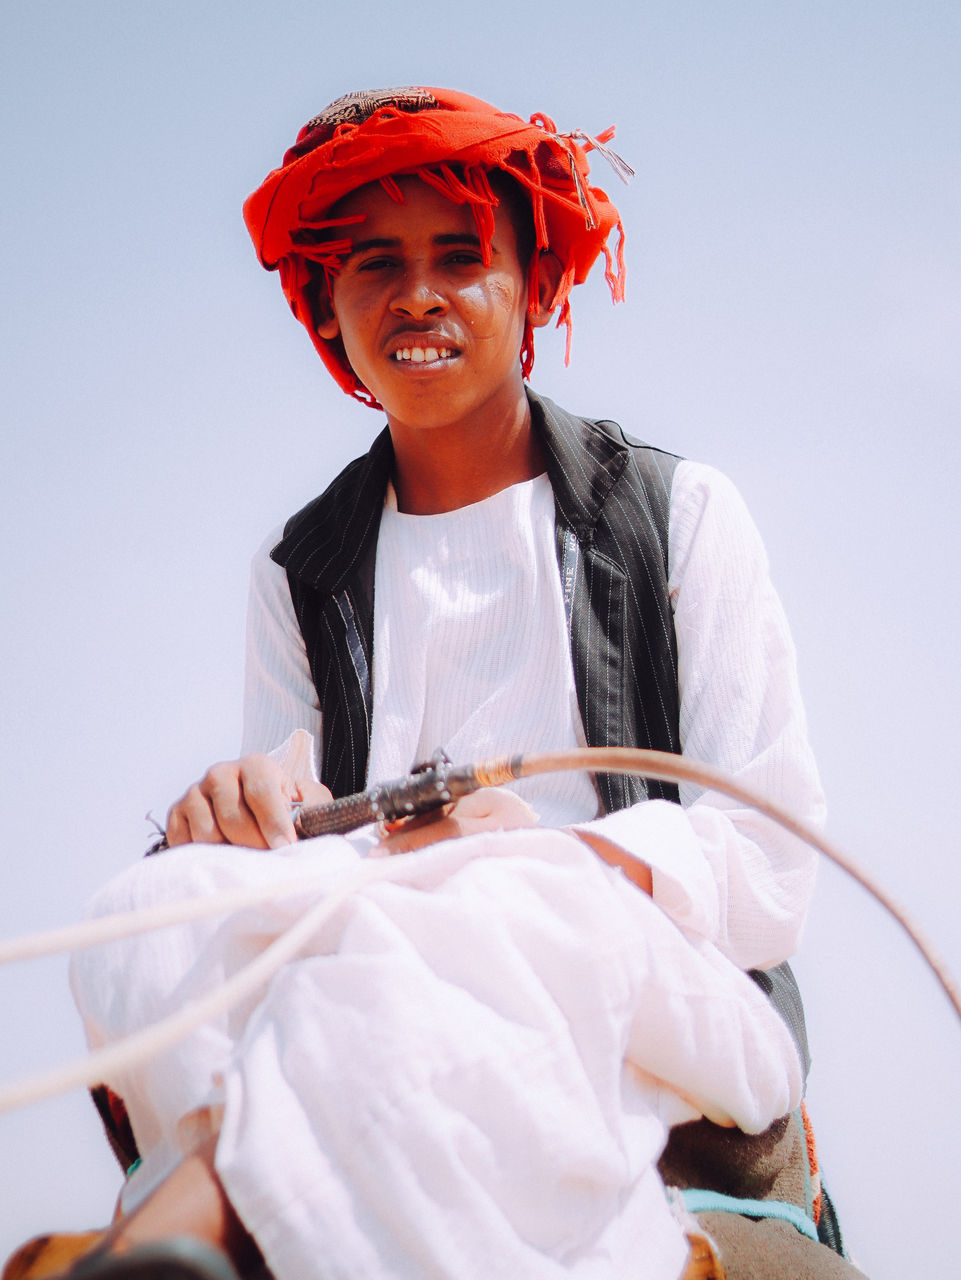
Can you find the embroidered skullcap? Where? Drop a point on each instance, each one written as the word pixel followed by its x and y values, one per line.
pixel 453 142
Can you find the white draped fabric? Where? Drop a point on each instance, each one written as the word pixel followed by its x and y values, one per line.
pixel 463 1075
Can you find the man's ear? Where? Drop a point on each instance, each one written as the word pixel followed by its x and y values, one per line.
pixel 549 272
pixel 326 324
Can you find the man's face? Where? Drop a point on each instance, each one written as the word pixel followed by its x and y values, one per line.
pixel 431 331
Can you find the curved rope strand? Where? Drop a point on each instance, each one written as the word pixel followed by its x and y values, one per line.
pixel 162 1035
pixel 671 768
pixel 142 1045
pixel 125 924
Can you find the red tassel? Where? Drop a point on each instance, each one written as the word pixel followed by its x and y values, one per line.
pixel 543 122
pixel 527 349
pixel 392 189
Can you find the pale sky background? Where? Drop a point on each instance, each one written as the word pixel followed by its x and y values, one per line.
pixel 793 316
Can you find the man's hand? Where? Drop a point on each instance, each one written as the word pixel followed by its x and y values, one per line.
pixel 244 802
pixel 490 809
pixel 496 809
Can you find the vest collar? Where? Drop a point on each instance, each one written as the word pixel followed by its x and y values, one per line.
pixel 584 462
pixel 324 542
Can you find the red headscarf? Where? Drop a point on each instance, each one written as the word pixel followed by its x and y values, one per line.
pixel 451 141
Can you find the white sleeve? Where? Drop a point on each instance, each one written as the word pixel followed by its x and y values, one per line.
pixel 279 693
pixel 722 870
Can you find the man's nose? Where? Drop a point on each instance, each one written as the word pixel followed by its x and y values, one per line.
pixel 418 294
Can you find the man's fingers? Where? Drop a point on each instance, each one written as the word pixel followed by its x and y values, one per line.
pixel 244 802
pixel 418 833
pixel 489 809
pixel 312 793
pixel 498 805
pixel 191 820
pixel 267 794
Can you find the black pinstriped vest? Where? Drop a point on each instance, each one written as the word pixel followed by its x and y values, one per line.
pixel 612 500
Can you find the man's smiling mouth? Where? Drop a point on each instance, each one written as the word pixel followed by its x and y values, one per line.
pixel 424 355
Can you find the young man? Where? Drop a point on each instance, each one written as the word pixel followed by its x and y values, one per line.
pixel 540 581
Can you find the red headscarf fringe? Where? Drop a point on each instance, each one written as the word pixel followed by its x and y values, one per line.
pixel 393 189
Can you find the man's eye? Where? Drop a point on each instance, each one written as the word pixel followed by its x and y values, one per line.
pixel 375 264
pixel 464 257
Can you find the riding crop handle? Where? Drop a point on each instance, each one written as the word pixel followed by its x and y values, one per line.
pixel 335 818
pixel 429 787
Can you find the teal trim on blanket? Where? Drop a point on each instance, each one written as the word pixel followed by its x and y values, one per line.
pixel 697 1201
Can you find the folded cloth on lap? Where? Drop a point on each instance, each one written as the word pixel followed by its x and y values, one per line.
pixel 470 1071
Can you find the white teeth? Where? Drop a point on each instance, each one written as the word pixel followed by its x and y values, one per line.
pixel 423 355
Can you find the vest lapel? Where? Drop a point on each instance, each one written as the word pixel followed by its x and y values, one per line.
pixel 329 550
pixel 626 691
pixel 594 586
